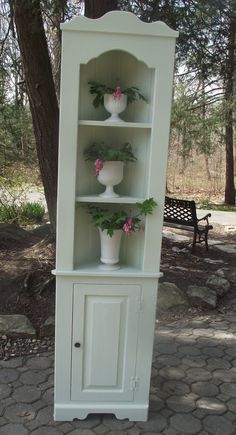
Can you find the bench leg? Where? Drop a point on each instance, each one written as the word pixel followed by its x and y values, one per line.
pixel 206 240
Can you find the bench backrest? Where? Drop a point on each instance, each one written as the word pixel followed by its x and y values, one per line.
pixel 180 211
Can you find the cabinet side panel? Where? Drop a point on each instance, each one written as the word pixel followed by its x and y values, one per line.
pixel 64 301
pixel 145 340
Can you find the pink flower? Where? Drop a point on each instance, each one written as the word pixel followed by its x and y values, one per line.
pixel 98 166
pixel 127 227
pixel 117 93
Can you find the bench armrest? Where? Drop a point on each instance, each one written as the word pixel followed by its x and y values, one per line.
pixel 205 218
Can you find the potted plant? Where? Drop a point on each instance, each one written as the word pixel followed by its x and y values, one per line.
pixel 109 164
pixel 114 99
pixel 113 223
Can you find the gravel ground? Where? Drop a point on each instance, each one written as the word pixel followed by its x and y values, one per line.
pixel 13 347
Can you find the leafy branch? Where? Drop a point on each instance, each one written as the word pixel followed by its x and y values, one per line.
pixel 99 90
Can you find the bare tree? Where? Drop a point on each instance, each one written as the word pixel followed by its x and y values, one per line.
pixel 95 9
pixel 41 93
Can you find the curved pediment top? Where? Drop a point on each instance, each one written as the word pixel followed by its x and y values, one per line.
pixel 119 22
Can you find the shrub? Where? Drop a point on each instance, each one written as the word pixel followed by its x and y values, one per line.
pixel 27 213
pixel 31 212
pixel 9 213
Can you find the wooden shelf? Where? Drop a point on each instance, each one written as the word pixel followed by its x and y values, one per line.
pixel 122 124
pixel 117 200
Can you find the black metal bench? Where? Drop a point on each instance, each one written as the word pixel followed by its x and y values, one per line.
pixel 179 213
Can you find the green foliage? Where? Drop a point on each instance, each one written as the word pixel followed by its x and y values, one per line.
pixel 24 214
pixel 111 220
pixel 17 177
pixel 206 204
pixel 99 90
pixel 106 219
pixel 15 180
pixel 146 207
pixel 9 213
pixel 16 132
pixel 108 153
pixel 195 123
pixel 32 212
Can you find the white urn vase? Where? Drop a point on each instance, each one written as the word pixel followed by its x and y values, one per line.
pixel 110 175
pixel 115 105
pixel 110 248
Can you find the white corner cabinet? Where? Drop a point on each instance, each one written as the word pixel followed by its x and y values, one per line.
pixel 105 319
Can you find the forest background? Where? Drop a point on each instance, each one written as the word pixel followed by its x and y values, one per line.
pixel 202 142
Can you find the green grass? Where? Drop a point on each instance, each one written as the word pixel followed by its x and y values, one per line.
pixel 206 204
pixel 25 214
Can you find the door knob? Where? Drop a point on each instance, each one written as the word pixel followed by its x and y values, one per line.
pixel 77 344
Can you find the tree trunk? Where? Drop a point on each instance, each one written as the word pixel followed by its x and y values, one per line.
pixel 229 92
pixel 41 93
pixel 95 8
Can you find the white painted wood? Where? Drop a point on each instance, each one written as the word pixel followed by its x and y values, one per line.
pixel 122 199
pixel 128 24
pixel 71 410
pixel 106 324
pixel 90 123
pixel 93 270
pixel 64 306
pixel 111 375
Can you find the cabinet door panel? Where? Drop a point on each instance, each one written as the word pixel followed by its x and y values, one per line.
pixel 105 322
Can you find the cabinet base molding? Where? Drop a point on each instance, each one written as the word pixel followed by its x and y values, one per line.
pixel 71 411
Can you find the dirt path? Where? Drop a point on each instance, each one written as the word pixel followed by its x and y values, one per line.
pixel 27 258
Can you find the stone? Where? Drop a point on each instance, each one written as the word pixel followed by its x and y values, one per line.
pixel 219 284
pixel 217 363
pixel 155 423
pixel 115 424
pixel 229 389
pixel 172 373
pixel 189 350
pixel 230 249
pixel 26 394
pixel 231 404
pixel 5 391
pixel 45 416
pixel 166 360
pixel 33 377
pixel 178 388
pixel 218 425
pixel 201 295
pixel 90 422
pixel 169 295
pixel 48 396
pixel 39 363
pixel 231 276
pixel 175 237
pixel 211 405
pixel 198 374
pixel 211 261
pixel 8 376
pixel 185 423
pixel 205 389
pixel 16 325
pixel 194 361
pixel 53 431
pixel 226 375
pixel 48 328
pixel 13 429
pixel 20 413
pixel 181 404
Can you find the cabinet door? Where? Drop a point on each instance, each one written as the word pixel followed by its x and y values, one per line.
pixel 105 331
